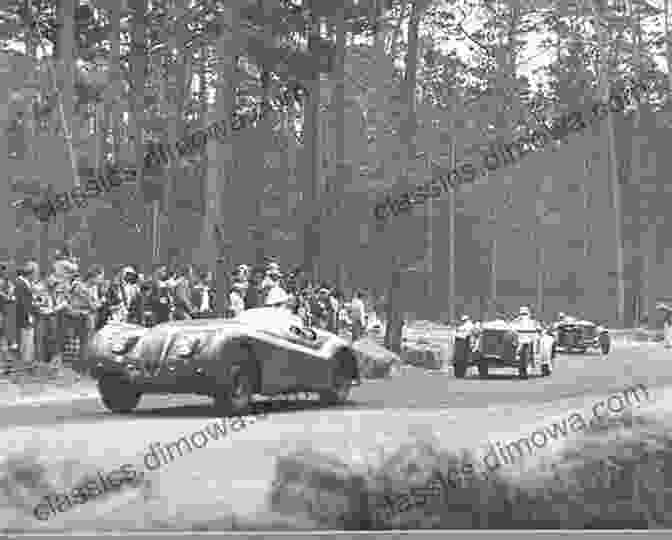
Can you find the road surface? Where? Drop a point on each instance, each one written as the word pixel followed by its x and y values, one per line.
pixel 575 376
pixel 233 476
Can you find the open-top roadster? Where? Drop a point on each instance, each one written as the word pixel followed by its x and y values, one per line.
pixel 500 343
pixel 264 351
pixel 577 335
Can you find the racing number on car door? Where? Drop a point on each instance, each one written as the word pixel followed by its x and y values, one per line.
pixel 286 364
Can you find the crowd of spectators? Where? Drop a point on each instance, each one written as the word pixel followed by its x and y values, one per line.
pixel 46 318
pixel 320 305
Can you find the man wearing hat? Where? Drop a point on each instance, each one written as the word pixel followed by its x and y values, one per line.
pixel 275 294
pixel 254 293
pixel 237 298
pixel 130 295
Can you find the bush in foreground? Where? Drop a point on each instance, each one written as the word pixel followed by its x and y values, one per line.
pixel 614 478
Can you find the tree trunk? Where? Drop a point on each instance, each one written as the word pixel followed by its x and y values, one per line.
pixel 604 93
pixel 452 196
pixel 138 67
pixel 215 242
pixel 113 101
pixel 668 50
pixel 635 160
pixel 66 102
pixel 177 89
pixel 341 250
pixel 395 312
pixel 311 145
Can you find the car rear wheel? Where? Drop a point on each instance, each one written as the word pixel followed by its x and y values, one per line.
pixel 460 357
pixel 118 394
pixel 524 362
pixel 341 386
pixel 545 370
pixel 483 368
pixel 605 344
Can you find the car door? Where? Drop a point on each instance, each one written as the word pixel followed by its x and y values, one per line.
pixel 290 357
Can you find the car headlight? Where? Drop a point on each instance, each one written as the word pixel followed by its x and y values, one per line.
pixel 187 346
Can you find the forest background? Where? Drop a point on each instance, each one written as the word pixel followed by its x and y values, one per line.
pixel 391 85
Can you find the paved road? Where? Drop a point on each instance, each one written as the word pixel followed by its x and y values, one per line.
pixel 234 476
pixel 575 376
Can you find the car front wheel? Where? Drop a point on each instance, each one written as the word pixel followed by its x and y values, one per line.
pixel 524 362
pixel 118 394
pixel 483 367
pixel 237 398
pixel 460 357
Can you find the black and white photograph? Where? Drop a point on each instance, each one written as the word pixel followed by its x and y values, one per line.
pixel 335 266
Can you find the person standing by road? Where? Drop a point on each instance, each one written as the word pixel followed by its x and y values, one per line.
pixel 84 304
pixel 159 295
pixel 358 315
pixel 184 309
pixel 6 300
pixel 26 316
pixel 667 328
pixel 236 298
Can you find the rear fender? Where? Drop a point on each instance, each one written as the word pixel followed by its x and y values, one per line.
pixel 347 357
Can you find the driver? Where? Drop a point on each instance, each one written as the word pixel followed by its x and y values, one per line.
pixel 278 299
pixel 524 321
pixel 467 326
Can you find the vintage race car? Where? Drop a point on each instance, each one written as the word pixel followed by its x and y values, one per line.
pixel 581 335
pixel 501 343
pixel 264 351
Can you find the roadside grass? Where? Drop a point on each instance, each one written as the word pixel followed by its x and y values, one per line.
pixel 618 476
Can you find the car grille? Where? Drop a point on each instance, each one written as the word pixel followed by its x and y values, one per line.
pixel 492 342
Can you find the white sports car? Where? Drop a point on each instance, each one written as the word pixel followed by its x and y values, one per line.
pixel 262 351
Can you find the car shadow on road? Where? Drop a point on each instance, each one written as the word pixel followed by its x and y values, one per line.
pixel 207 410
pixel 502 377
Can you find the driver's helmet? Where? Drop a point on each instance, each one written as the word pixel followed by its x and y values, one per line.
pixel 524 311
pixel 465 318
pixel 562 316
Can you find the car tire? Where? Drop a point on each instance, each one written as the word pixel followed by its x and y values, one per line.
pixel 236 399
pixel 524 362
pixel 483 368
pixel 546 370
pixel 606 346
pixel 118 394
pixel 460 357
pixel 341 388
